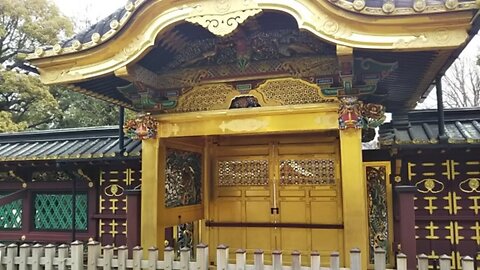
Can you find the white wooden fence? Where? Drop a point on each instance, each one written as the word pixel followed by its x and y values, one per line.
pixel 63 257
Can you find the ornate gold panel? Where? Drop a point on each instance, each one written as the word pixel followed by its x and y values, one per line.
pixel 291 92
pixel 206 98
pixel 275 92
pixel 242 172
pixel 307 172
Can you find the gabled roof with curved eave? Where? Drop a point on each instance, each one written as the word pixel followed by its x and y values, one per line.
pixel 153 35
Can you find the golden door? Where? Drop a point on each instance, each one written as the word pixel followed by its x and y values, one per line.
pixel 277 193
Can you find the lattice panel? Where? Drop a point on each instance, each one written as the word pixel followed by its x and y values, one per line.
pixel 291 92
pixel 11 215
pixel 307 172
pixel 183 181
pixel 243 172
pixel 377 210
pixel 54 212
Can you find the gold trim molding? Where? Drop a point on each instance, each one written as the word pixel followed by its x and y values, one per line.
pixel 320 17
pixel 418 6
pixel 263 120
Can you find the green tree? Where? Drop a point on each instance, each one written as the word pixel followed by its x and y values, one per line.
pixel 25 24
pixel 25 103
pixel 79 110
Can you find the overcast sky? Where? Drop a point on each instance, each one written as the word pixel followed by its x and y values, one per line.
pixel 94 10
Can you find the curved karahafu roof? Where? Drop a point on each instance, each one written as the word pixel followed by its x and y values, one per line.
pixel 144 38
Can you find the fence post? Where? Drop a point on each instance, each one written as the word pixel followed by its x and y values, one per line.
pixel 62 257
pixel 77 255
pixel 122 257
pixel 202 257
pixel 315 260
pixel 296 260
pixel 153 258
pixel 184 258
pixel 137 258
pixel 422 262
pixel 2 255
pixel 355 259
pixel 37 252
pixel 467 263
pixel 335 260
pixel 258 259
pixel 24 254
pixel 401 261
pixel 222 257
pixel 107 257
pixel 240 259
pixel 168 257
pixel 93 253
pixel 445 263
pixel 277 259
pixel 12 252
pixel 379 262
pixel 49 256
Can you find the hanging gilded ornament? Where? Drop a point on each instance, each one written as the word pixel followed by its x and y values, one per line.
pixel 142 128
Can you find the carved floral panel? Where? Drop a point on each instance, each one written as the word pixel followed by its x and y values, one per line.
pixel 307 172
pixel 242 172
pixel 183 178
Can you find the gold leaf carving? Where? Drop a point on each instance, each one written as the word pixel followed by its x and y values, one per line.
pixel 206 98
pixel 291 92
pixel 275 92
pixel 222 17
pixel 243 125
pixel 222 25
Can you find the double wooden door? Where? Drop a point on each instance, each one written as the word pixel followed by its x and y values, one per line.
pixel 280 193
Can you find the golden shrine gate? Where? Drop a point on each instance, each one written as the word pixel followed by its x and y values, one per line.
pixel 258 110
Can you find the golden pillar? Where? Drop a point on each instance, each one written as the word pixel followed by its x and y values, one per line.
pixel 354 194
pixel 152 228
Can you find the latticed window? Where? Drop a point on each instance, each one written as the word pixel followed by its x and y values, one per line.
pixel 11 214
pixel 54 212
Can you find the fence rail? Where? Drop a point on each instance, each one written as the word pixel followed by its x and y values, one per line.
pixel 73 257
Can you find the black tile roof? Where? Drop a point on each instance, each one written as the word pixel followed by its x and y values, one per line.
pixel 462 126
pixel 74 143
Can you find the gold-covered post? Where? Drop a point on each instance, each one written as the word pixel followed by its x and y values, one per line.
pixel 354 194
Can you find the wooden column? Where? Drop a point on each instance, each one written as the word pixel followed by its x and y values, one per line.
pixel 354 195
pixel 133 217
pixel 152 230
pixel 406 216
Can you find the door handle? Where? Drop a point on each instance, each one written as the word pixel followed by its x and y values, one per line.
pixel 274 210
